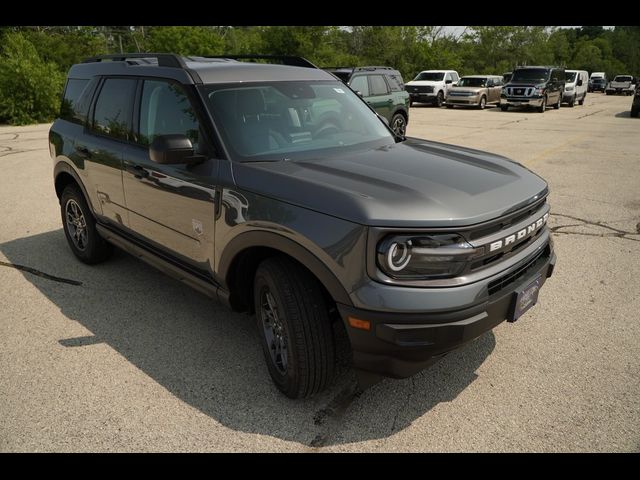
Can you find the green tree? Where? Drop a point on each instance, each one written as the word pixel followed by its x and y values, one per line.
pixel 185 40
pixel 30 88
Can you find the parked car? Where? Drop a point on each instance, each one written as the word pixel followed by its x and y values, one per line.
pixel 382 88
pixel 575 87
pixel 597 84
pixel 276 190
pixel 431 86
pixel 621 85
pixel 534 86
pixel 635 105
pixel 476 90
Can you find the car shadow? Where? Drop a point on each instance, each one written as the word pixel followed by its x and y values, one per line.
pixel 625 114
pixel 210 358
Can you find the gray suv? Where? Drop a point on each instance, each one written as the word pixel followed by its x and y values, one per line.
pixel 277 191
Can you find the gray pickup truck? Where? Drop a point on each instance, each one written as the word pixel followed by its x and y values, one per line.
pixel 621 85
pixel 278 191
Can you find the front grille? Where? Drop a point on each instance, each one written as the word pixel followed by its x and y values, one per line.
pixel 520 91
pixel 505 222
pixel 520 272
pixel 419 88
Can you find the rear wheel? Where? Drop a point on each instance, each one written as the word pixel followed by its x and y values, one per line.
pixel 294 326
pixel 80 228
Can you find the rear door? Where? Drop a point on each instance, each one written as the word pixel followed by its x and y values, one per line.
pixel 380 96
pixel 102 144
pixel 171 206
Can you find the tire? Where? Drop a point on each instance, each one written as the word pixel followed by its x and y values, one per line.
pixel 634 112
pixel 399 124
pixel 410 103
pixel 543 107
pixel 449 106
pixel 483 102
pixel 504 108
pixel 439 99
pixel 557 105
pixel 80 228
pixel 572 102
pixel 581 101
pixel 284 291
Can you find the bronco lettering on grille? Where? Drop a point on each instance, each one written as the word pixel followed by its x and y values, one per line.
pixel 519 235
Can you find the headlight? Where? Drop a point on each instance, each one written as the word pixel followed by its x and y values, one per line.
pixel 424 256
pixel 539 91
pixel 569 89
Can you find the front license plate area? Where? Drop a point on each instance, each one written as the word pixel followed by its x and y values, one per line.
pixel 524 299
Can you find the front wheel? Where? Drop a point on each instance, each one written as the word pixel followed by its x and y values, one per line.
pixel 439 99
pixel 399 124
pixel 557 105
pixel 572 102
pixel 483 103
pixel 581 101
pixel 294 327
pixel 634 112
pixel 80 228
pixel 504 108
pixel 543 106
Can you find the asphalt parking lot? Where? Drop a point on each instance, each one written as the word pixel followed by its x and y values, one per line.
pixel 124 358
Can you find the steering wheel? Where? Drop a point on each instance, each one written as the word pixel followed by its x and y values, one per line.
pixel 327 128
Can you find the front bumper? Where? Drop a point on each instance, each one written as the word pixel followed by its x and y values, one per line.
pixel 567 96
pixel 521 101
pixel 453 100
pixel 423 97
pixel 400 344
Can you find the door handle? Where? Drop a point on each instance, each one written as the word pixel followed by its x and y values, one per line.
pixel 83 151
pixel 390 100
pixel 137 171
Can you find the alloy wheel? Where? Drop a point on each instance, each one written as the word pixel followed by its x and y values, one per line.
pixel 76 224
pixel 274 330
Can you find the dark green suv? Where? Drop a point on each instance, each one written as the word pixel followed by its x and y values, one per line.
pixel 382 88
pixel 276 190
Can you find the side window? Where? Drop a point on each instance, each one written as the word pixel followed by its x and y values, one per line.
pixel 112 113
pixel 72 93
pixel 359 84
pixel 395 83
pixel 378 85
pixel 165 109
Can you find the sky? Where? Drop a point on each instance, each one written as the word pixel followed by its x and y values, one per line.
pixel 457 30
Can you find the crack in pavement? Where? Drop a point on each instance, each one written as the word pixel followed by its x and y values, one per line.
pixel 11 151
pixel 589 114
pixel 41 274
pixel 615 232
pixel 404 405
pixel 329 416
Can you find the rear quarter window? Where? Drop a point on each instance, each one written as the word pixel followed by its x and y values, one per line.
pixel 395 83
pixel 69 109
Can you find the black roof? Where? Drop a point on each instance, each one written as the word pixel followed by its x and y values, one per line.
pixel 192 70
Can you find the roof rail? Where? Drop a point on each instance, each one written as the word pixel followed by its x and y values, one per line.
pixel 164 59
pixel 285 59
pixel 373 67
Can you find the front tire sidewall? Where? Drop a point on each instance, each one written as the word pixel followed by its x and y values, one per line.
pixel 543 107
pixel 439 99
pixel 483 103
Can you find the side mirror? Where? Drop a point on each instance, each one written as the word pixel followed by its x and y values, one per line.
pixel 172 149
pixel 579 83
pixel 448 81
pixel 359 93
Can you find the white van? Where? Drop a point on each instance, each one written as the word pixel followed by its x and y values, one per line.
pixel 575 87
pixel 598 75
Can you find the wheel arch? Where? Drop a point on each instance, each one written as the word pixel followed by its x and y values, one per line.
pixel 63 175
pixel 241 257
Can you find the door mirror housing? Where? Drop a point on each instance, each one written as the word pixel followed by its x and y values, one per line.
pixel 359 93
pixel 173 149
pixel 579 82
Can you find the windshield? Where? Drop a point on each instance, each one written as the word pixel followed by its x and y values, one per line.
pixel 599 80
pixel 430 76
pixel 292 120
pixel 532 75
pixel 571 76
pixel 472 82
pixel 622 78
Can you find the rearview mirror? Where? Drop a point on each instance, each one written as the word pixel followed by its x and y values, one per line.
pixel 172 149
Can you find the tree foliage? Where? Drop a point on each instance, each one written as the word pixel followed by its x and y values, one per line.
pixel 34 60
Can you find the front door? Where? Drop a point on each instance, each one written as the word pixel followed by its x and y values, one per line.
pixel 379 96
pixel 172 206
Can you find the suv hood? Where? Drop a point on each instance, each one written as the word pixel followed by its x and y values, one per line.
pixel 425 82
pixel 415 183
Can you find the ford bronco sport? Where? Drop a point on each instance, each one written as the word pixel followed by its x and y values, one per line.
pixel 382 88
pixel 278 191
